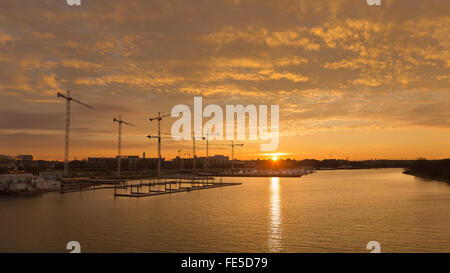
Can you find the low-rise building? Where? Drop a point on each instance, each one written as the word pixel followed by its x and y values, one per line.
pixel 7 163
pixel 17 183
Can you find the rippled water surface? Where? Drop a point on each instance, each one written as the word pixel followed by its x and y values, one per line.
pixel 329 211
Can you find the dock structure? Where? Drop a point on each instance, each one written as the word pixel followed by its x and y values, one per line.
pixel 171 185
pixel 78 184
pixel 145 187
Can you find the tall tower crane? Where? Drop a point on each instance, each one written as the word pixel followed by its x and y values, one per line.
pixel 120 122
pixel 158 118
pixel 68 99
pixel 179 158
pixel 232 145
pixel 193 150
pixel 207 141
pixel 232 151
pixel 159 150
pixel 207 147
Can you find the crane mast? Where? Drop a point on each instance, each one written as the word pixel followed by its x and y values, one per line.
pixel 68 99
pixel 67 136
pixel 194 157
pixel 119 145
pixel 179 158
pixel 232 152
pixel 207 147
pixel 159 118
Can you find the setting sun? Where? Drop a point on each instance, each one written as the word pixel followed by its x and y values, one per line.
pixel 274 158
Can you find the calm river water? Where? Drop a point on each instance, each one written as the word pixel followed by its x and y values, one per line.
pixel 328 211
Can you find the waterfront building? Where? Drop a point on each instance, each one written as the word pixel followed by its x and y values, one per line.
pixel 18 183
pixel 7 163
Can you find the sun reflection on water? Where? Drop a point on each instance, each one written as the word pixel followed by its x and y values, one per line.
pixel 274 238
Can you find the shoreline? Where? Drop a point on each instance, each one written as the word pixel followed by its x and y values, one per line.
pixel 427 177
pixel 29 193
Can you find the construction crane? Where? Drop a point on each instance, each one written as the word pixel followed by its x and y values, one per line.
pixel 193 151
pixel 120 122
pixel 232 151
pixel 159 150
pixel 232 145
pixel 179 158
pixel 68 99
pixel 207 147
pixel 207 141
pixel 158 118
pixel 194 138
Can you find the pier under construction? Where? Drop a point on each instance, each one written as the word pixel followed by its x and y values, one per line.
pixel 146 187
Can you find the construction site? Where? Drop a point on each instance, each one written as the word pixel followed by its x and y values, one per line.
pixel 155 176
pixel 153 184
pixel 144 187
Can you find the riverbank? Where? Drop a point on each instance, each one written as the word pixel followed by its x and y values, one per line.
pixel 427 177
pixel 430 169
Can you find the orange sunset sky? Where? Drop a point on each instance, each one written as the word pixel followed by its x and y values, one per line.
pixel 352 80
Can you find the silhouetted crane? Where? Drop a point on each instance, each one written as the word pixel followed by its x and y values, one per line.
pixel 179 158
pixel 207 148
pixel 232 145
pixel 193 151
pixel 68 99
pixel 120 122
pixel 232 151
pixel 158 118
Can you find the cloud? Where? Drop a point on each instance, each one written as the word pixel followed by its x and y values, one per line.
pixel 331 65
pixel 4 38
pixel 79 64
